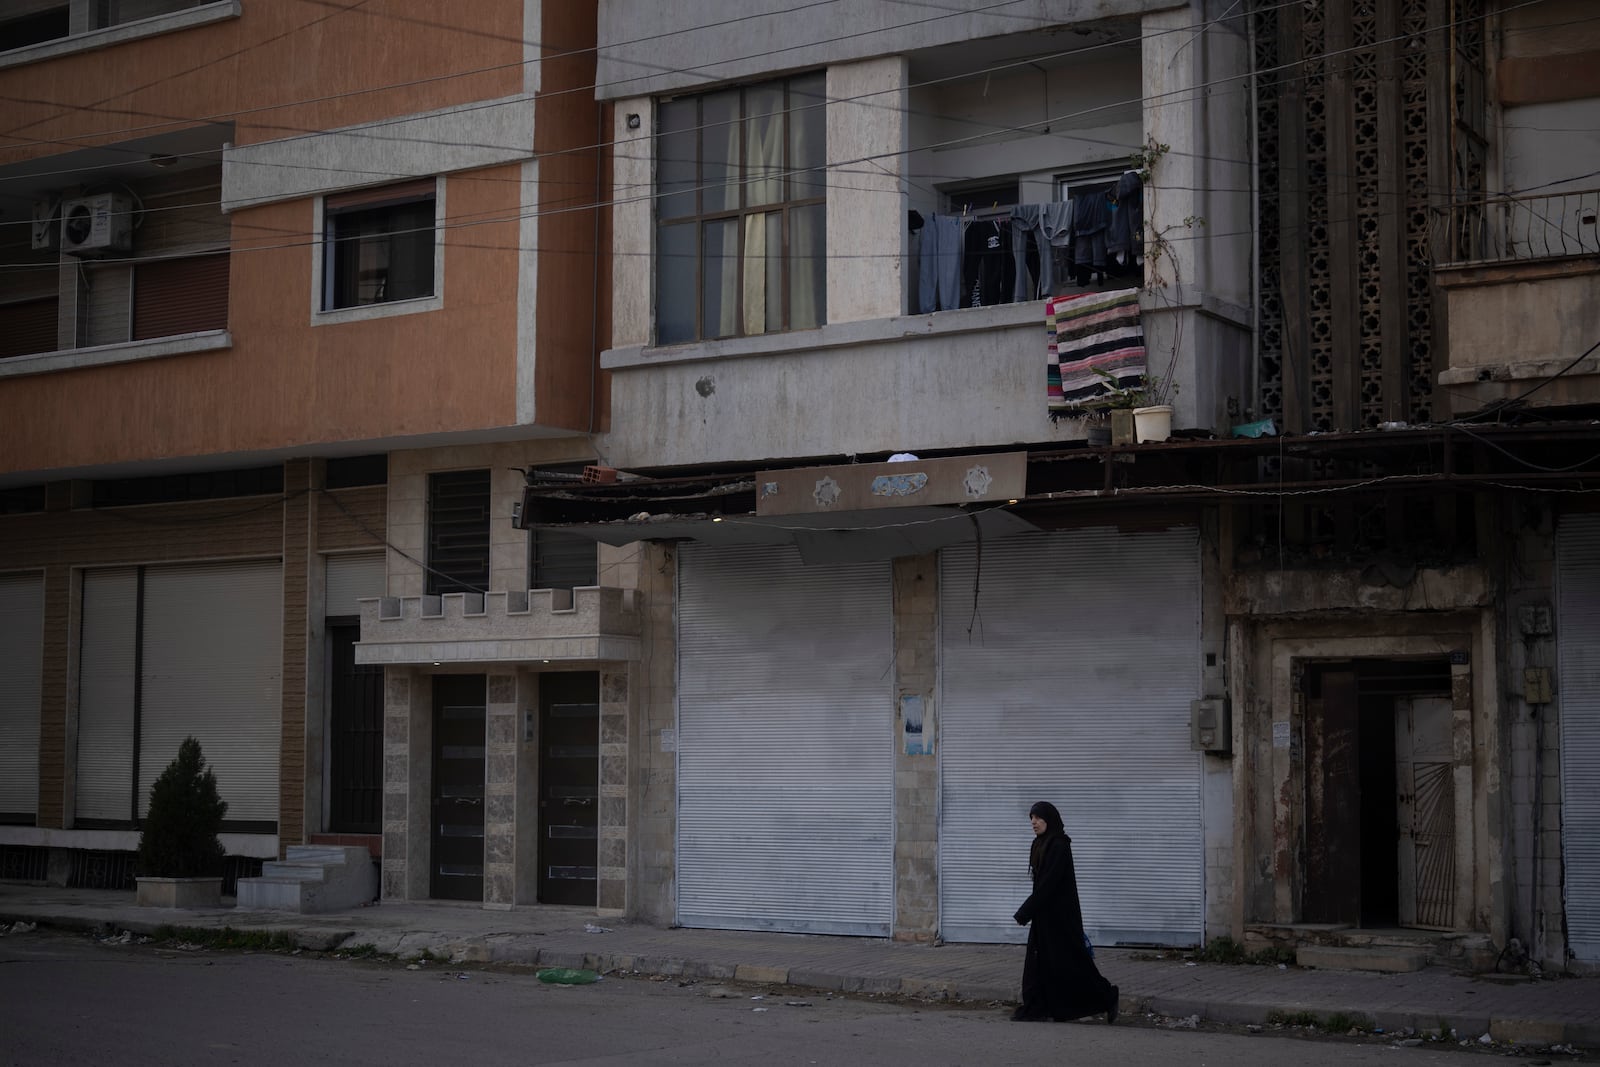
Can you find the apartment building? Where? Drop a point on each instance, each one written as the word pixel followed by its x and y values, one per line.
pixel 289 289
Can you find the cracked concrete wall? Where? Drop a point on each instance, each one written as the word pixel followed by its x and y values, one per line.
pixel 651 800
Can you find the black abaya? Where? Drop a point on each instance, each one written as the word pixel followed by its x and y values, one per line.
pixel 1059 978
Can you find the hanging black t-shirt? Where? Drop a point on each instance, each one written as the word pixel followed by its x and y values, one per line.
pixel 988 272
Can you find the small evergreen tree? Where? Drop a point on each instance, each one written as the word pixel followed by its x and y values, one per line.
pixel 179 839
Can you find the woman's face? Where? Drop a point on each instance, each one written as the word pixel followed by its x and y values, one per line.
pixel 1038 825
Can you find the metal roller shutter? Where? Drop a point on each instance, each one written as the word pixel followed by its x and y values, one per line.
pixel 212 667
pixel 179 296
pixel 1578 657
pixel 349 578
pixel 1073 686
pixel 785 743
pixel 106 694
pixel 21 664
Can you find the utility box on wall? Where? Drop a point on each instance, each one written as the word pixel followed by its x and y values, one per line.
pixel 1210 725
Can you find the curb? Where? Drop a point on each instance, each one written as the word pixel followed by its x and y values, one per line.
pixel 518 951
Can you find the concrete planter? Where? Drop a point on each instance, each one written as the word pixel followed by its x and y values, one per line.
pixel 179 893
pixel 1122 432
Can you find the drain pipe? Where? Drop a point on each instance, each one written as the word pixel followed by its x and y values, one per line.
pixel 600 142
pixel 1253 408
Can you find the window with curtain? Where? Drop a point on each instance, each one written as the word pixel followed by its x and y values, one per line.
pixel 741 183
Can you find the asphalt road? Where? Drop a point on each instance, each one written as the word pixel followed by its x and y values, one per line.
pixel 67 999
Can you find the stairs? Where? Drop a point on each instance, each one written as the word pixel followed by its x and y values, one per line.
pixel 312 878
pixel 1389 951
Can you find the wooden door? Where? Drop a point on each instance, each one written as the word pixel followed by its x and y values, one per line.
pixel 1424 763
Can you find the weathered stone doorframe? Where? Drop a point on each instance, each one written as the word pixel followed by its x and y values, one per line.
pixel 1269 657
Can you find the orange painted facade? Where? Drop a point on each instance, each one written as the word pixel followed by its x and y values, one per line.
pixel 286 384
pixel 282 67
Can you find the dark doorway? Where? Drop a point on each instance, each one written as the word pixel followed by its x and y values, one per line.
pixel 1360 825
pixel 355 735
pixel 569 789
pixel 1333 798
pixel 458 786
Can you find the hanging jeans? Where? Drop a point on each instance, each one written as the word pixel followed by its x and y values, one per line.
pixel 1057 225
pixel 939 274
pixel 1035 272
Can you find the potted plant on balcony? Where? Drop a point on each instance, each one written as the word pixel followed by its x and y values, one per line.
pixel 1152 417
pixel 1118 404
pixel 180 855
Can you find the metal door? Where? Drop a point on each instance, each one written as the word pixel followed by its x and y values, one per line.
pixel 355 735
pixel 458 786
pixel 569 787
pixel 1424 766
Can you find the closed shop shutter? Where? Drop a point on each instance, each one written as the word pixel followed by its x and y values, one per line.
pixel 21 665
pixel 785 743
pixel 106 694
pixel 28 326
pixel 1070 681
pixel 178 296
pixel 1578 656
pixel 349 579
pixel 212 667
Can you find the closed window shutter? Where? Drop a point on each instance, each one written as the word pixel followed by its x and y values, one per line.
pixel 21 657
pixel 178 296
pixel 28 327
pixel 212 667
pixel 349 578
pixel 106 694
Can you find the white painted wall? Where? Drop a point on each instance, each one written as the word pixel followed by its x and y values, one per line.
pixel 967 130
pixel 866 193
pixel 633 216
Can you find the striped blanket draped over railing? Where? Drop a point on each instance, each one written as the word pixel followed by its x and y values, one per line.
pixel 1097 332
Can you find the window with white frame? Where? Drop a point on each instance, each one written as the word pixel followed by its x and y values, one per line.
pixel 740 211
pixel 379 245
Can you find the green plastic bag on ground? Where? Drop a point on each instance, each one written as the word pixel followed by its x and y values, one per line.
pixel 567 976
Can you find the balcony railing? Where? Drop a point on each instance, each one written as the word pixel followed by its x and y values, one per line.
pixel 1506 229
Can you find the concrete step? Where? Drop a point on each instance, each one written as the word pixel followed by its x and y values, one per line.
pixel 312 878
pixel 1387 959
pixel 298 871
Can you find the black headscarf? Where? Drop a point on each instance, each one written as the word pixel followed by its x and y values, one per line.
pixel 1052 828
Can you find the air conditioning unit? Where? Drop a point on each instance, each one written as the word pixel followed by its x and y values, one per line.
pixel 97 225
pixel 46 230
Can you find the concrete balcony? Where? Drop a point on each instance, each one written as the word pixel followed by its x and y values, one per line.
pixel 1522 302
pixel 587 624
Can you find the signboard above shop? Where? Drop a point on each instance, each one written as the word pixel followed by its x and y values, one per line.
pixel 999 477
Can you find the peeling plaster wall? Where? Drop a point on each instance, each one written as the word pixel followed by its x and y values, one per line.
pixel 653 783
pixel 916 778
pixel 1532 734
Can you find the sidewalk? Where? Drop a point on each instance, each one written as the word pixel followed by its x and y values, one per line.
pixel 1555 1012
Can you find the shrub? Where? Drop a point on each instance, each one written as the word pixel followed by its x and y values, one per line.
pixel 179 839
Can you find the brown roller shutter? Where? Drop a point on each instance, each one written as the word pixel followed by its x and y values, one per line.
pixel 177 296
pixel 28 326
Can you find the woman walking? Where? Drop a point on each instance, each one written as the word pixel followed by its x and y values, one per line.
pixel 1059 978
